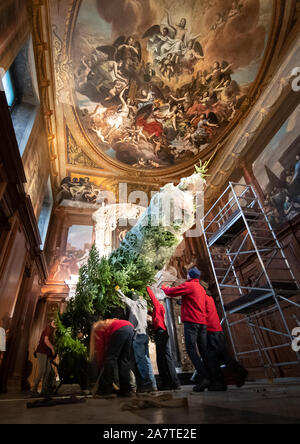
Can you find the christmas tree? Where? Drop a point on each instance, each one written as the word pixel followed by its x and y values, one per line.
pixel 145 250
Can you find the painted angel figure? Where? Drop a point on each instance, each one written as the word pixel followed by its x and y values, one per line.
pixel 158 38
pixel 180 36
pixel 171 41
pixel 127 53
pixel 220 21
pixel 192 55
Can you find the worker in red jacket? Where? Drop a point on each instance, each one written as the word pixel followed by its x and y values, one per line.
pixel 193 315
pixel 165 364
pixel 217 351
pixel 111 346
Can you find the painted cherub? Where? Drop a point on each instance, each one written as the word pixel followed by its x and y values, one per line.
pixel 220 21
pixel 236 9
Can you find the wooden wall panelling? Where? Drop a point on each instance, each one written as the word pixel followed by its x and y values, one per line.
pixel 12 271
pixel 10 288
pixel 14 30
pixel 20 255
pixel 19 334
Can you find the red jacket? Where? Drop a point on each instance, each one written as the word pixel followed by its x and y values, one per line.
pixel 213 320
pixel 193 307
pixel 158 313
pixel 103 335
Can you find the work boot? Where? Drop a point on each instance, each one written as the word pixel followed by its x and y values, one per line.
pixel 217 388
pixel 204 384
pixel 145 388
pixel 241 375
pixel 164 388
pixel 130 394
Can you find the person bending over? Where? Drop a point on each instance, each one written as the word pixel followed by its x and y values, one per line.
pixel 110 346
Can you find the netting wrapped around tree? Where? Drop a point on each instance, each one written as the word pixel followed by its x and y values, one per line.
pixel 160 229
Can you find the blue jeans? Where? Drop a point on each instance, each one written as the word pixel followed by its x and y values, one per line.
pixel 142 358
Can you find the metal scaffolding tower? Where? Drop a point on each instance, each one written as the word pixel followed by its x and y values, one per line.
pixel 252 274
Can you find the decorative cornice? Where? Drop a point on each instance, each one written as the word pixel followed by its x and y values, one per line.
pixel 44 64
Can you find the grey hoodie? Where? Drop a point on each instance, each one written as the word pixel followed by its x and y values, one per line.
pixel 138 313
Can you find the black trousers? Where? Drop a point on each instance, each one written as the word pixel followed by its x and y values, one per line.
pixel 118 360
pixel 196 346
pixel 165 363
pixel 217 355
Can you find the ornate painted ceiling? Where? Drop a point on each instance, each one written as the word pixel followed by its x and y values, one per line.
pixel 145 88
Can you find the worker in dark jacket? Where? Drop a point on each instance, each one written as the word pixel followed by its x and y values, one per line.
pixel 165 364
pixel 193 315
pixel 217 351
pixel 44 353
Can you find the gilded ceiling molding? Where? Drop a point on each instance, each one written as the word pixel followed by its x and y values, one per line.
pixel 63 69
pixel 75 155
pixel 43 55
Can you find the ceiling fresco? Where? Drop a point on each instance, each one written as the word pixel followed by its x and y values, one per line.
pixel 152 84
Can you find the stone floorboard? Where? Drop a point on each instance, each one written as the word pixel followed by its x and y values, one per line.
pixel 252 404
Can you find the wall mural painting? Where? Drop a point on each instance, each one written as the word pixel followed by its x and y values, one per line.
pixel 67 263
pixel 158 81
pixel 80 189
pixel 278 172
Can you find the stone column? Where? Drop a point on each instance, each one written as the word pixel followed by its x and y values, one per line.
pixel 106 221
pixel 94 232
